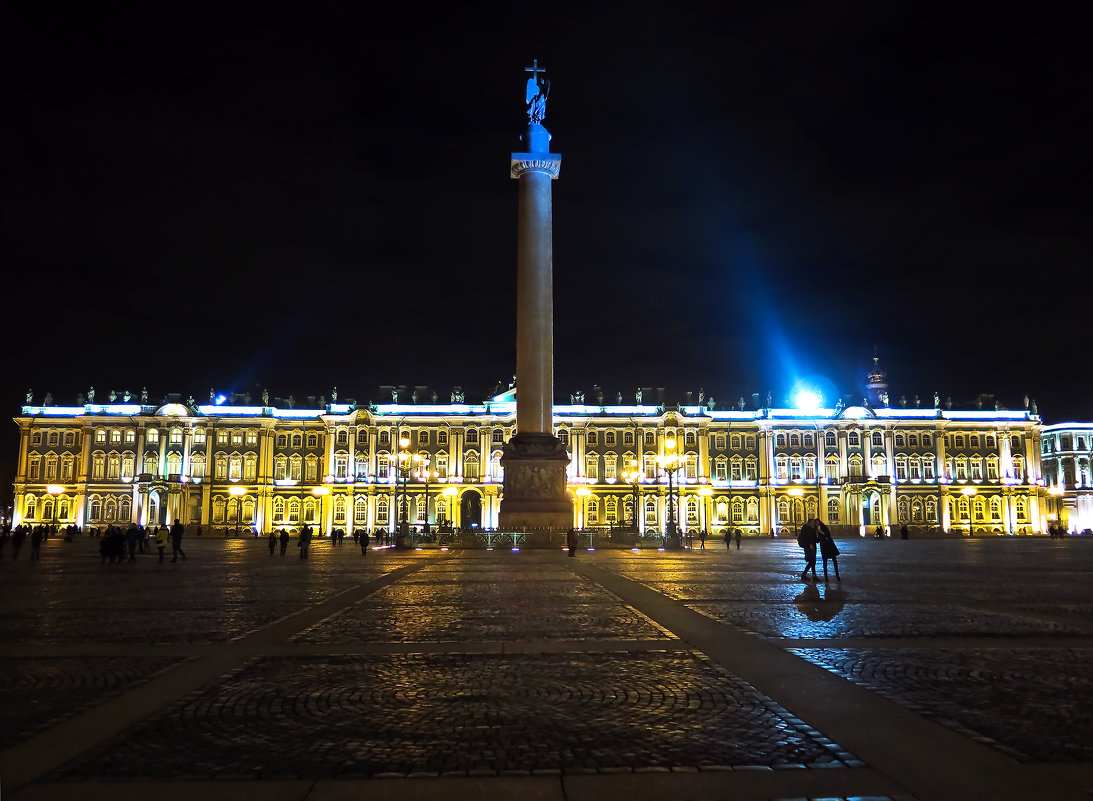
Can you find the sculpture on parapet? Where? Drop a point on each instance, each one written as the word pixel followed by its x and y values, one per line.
pixel 536 94
pixel 91 395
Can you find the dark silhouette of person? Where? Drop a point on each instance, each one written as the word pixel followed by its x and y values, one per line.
pixel 177 530
pixel 18 537
pixel 161 541
pixel 828 550
pixel 36 544
pixel 806 538
pixel 363 543
pixel 738 538
pixel 272 542
pixel 702 539
pixel 284 541
pixel 903 534
pixel 571 541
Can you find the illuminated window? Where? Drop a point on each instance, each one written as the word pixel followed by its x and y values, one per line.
pixel 113 466
pixel 197 466
pixel 176 436
pixel 795 468
pixel 563 436
pixel 628 439
pixel 70 438
pixel 650 467
pixel 498 436
pixel 252 437
pixel 721 469
pixel 250 467
pixel 53 439
pixel 833 510
pixel 996 509
pixel 470 467
pixel 297 440
pixel 199 436
pixel 753 510
pixel 280 468
pixel 100 436
pixel 855 464
pixel 734 442
pixel 610 465
pixel 592 463
pixel 51 468
pixel 294 510
pixel 282 440
pixel 915 468
pixel 690 466
pixel 362 436
pixel 360 511
pixel 650 512
pixel 98 465
pixel 1020 507
pixel 650 438
pixel 593 437
pixel 442 437
pixel 737 510
pixel 690 438
pixel 916 511
pixel 221 437
pixel 339 510
pixel 1018 468
pixel 832 468
pixel 692 513
pixel 130 436
pixel 781 467
pixel 115 436
pixel 810 468
pixel 220 467
pixel 279 508
pixel 931 510
pixel 382 511
pixel 312 470
pixel 961 468
pixel 928 467
pixel 312 441
pixel 976 468
pixel 66 467
pixel 830 440
pixel 218 510
pixel 341 464
pixel 992 468
pixel 385 437
pixel 751 469
pixel 442 466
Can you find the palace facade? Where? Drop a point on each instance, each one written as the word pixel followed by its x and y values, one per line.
pixel 233 466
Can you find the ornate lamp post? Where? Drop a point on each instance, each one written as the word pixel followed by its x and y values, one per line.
pixel 54 490
pixel 425 474
pixel 669 462
pixel 404 462
pixel 320 493
pixel 237 492
pixel 968 492
pixel 633 477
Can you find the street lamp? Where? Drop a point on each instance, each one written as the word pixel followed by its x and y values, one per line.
pixel 669 462
pixel 320 493
pixel 54 490
pixel 968 492
pixel 633 477
pixel 425 474
pixel 237 492
pixel 404 462
pixel 450 493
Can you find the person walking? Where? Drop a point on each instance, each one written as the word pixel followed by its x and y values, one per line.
pixel 161 541
pixel 738 538
pixel 727 533
pixel 304 541
pixel 571 541
pixel 363 543
pixel 806 538
pixel 272 542
pixel 702 539
pixel 36 544
pixel 131 541
pixel 177 530
pixel 828 550
pixel 18 537
pixel 284 541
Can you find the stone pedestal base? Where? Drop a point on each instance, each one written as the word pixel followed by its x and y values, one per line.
pixel 535 496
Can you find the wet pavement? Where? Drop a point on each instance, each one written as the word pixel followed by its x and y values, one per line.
pixel 935 669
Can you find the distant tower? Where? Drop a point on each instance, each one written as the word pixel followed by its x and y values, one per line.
pixel 535 460
pixel 877 388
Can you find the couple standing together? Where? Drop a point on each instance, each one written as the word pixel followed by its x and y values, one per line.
pixel 814 533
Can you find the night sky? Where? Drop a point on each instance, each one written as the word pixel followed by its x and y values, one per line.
pixel 297 199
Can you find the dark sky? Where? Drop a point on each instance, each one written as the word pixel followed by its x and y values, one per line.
pixel 196 197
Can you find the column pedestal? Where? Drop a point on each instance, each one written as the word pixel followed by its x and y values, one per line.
pixel 535 485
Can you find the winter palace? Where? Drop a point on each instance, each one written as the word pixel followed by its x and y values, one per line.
pixel 231 465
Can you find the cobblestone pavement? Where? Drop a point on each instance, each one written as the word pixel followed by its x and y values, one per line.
pixel 476 663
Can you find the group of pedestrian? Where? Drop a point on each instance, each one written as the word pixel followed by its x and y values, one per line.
pixel 815 535
pixel 730 537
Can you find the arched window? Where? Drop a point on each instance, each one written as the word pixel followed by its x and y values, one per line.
pixel 931 510
pixel 783 511
pixel 279 509
pixel 832 510
pixel 151 463
pixel 692 512
pixel 779 440
pixel 496 470
pixel 795 440
pixel 472 436
pixel 830 440
pixel 313 440
pixel 360 511
pixel 900 440
pixel 903 509
pixel 853 439
pixel 174 464
pixel 753 510
pixel 592 511
pixel 737 511
pixel 47 509
pixel 592 466
pixel 650 512
pixel 1020 508
pixel 113 466
pixel 219 510
pixel 295 467
pixel 980 510
pixel 877 439
pixel 498 436
pixel 280 468
pixel 382 511
pixel 611 511
pixel 111 509
pixel 220 466
pixel 421 511
pixel 98 466
pixel 250 466
pixel 282 440
pixel 311 473
pixel 248 510
pixel 339 510
pixel 916 510
pixel 233 510
pixel 297 440
pixel 94 509
pixel 294 510
pixel 311 511
pixel 855 464
pixel 470 466
pixel 343 437
pixel 341 464
pixel 996 509
pixel 1018 468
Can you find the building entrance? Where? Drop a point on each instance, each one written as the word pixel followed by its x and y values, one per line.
pixel 470 511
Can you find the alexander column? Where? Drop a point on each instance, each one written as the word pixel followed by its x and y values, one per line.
pixel 535 460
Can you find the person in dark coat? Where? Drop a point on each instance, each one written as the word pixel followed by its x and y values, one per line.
pixel 571 541
pixel 284 541
pixel 36 544
pixel 363 542
pixel 177 530
pixel 806 538
pixel 18 537
pixel 828 550
pixel 738 538
pixel 272 542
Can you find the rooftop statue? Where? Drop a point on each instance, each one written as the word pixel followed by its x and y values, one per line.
pixel 536 94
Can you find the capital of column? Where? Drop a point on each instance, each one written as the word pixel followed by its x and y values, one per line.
pixel 547 163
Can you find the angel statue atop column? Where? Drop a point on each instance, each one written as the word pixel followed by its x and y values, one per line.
pixel 536 94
